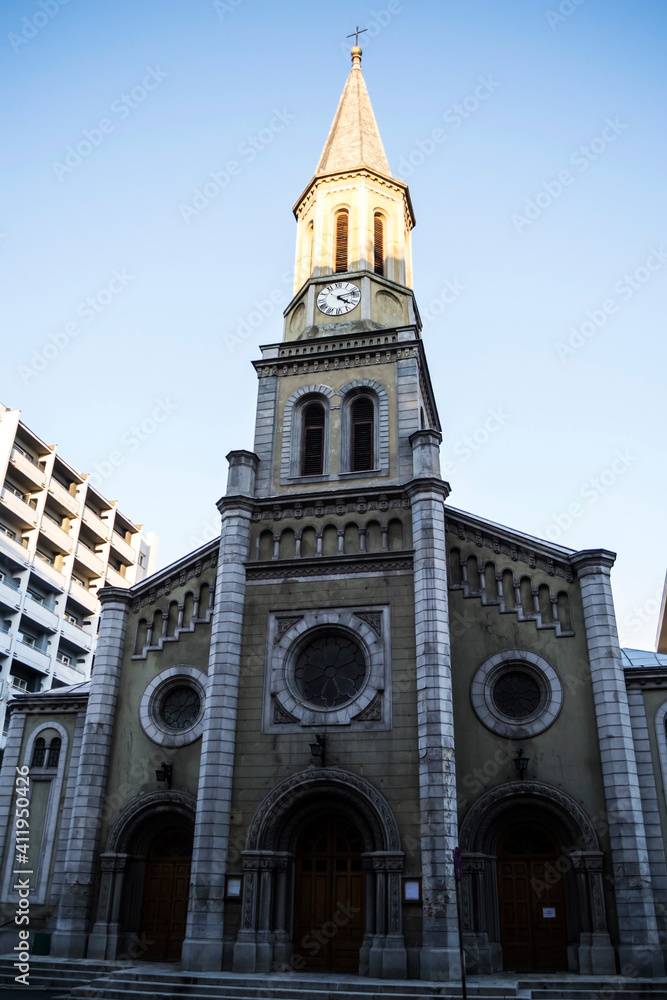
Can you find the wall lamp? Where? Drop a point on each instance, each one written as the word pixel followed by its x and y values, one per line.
pixel 317 750
pixel 164 773
pixel 521 762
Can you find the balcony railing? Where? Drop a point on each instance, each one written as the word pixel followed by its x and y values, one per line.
pixel 55 534
pixel 20 507
pixel 81 594
pixel 31 655
pixel 124 550
pixel 98 527
pixel 63 497
pixel 10 596
pixel 76 635
pixel 13 546
pixel 43 616
pixel 89 559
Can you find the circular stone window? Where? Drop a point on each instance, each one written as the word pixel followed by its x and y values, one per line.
pixel 516 693
pixel 180 707
pixel 172 706
pixel 330 671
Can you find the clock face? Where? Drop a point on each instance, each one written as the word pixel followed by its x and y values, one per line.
pixel 338 298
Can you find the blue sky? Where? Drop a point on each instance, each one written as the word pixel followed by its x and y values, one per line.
pixel 543 206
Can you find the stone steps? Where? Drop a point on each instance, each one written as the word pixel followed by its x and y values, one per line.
pixel 48 974
pixel 119 987
pixel 612 988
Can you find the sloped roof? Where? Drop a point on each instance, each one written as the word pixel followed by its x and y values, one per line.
pixel 354 139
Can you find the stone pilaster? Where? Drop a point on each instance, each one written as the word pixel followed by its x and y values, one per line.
pixel 639 947
pixel 202 948
pixel 437 781
pixel 72 923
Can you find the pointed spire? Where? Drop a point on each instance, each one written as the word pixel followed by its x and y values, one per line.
pixel 354 140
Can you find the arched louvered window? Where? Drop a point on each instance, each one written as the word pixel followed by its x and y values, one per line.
pixel 362 434
pixel 54 752
pixel 378 243
pixel 342 230
pixel 312 446
pixel 38 753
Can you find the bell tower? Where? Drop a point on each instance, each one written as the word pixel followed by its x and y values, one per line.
pixel 342 396
pixel 353 267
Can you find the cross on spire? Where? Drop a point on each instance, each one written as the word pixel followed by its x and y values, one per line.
pixel 358 31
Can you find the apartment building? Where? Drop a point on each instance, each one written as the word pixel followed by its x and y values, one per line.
pixel 60 542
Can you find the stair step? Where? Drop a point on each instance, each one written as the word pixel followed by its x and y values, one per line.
pixel 118 989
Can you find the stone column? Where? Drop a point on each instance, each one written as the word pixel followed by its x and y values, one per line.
pixel 105 935
pixel 202 948
pixel 435 722
pixel 72 923
pixel 639 946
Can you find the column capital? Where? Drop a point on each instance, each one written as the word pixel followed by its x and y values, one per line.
pixel 240 503
pixel 593 561
pixel 418 487
pixel 117 595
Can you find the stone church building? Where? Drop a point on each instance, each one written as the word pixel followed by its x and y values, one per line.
pixel 289 730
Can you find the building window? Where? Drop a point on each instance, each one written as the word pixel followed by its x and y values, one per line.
pixel 342 230
pixel 363 423
pixel 180 707
pixel 378 243
pixel 312 448
pixel 172 706
pixel 330 671
pixel 516 694
pixel 38 752
pixel 54 752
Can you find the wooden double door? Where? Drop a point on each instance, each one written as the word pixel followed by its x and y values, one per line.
pixel 533 929
pixel 329 895
pixel 165 901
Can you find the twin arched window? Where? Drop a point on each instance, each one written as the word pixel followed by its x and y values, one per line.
pixel 39 755
pixel 358 456
pixel 342 239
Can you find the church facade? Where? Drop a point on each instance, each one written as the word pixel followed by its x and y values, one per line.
pixel 288 731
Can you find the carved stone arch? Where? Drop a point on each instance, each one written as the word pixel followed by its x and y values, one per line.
pixel 580 866
pixel 483 822
pixel 146 810
pixel 337 785
pixel 290 459
pixel 269 865
pixel 378 392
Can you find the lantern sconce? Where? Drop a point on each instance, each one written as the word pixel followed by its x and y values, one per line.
pixel 164 773
pixel 317 751
pixel 521 762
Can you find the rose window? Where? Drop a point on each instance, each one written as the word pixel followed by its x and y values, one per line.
pixel 330 671
pixel 517 694
pixel 180 707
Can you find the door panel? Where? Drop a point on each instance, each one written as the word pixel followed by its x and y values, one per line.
pixel 531 940
pixel 166 888
pixel 329 895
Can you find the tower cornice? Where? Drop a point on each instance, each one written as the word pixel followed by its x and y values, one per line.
pixel 397 185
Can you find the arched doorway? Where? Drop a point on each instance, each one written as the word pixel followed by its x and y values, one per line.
pixel 329 895
pixel 164 908
pixel 140 841
pixel 345 829
pixel 529 847
pixel 533 923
